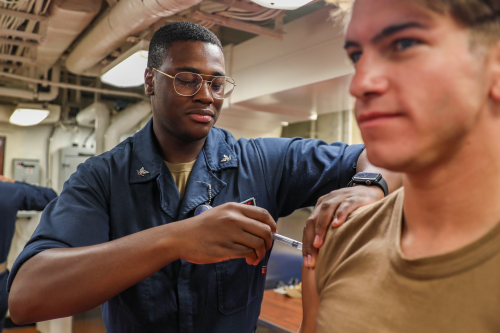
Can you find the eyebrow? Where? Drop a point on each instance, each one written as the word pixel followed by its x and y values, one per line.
pixel 387 32
pixel 197 71
pixel 391 30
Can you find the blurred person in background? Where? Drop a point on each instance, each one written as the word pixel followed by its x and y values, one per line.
pixel 15 196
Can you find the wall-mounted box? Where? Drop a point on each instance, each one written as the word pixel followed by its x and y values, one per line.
pixel 27 171
pixel 69 159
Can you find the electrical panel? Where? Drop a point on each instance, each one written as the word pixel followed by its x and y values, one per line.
pixel 69 159
pixel 27 171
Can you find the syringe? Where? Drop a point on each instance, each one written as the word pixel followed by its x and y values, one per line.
pixel 288 241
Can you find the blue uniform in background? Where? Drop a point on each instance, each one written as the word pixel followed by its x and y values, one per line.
pixel 130 189
pixel 15 197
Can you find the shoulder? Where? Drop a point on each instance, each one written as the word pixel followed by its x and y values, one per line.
pixel 364 223
pixel 225 135
pixel 222 134
pixel 97 171
pixel 113 158
pixel 363 226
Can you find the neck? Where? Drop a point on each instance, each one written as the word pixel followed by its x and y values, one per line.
pixel 175 150
pixel 450 205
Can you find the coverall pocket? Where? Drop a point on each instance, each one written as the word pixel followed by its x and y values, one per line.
pixel 238 284
pixel 134 303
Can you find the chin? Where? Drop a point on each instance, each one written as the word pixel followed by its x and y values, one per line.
pixel 388 158
pixel 195 135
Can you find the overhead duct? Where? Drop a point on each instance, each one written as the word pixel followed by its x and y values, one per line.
pixel 126 18
pixel 97 114
pixel 67 19
pixel 127 119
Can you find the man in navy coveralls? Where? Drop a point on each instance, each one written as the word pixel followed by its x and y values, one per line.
pixel 123 231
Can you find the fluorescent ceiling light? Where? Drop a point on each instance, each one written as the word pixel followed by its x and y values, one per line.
pixel 28 115
pixel 282 4
pixel 129 72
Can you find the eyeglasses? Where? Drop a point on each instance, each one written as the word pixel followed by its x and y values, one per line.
pixel 188 84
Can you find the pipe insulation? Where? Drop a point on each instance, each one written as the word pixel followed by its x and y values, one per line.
pixel 128 118
pixel 98 115
pixel 31 94
pixel 126 18
pixel 54 91
pixel 66 21
pixel 65 85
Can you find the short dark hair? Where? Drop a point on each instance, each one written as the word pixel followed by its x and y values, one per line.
pixel 481 17
pixel 174 32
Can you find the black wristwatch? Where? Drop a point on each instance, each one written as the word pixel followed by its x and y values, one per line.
pixel 370 179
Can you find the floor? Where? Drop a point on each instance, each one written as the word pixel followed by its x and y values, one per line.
pixel 91 325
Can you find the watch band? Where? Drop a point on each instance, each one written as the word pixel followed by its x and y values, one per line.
pixel 381 183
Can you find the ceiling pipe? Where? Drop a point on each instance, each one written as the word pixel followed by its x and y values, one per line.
pixel 54 91
pixel 98 115
pixel 67 20
pixel 31 94
pixel 19 93
pixel 128 118
pixel 126 18
pixel 61 85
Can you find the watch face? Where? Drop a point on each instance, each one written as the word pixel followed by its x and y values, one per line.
pixel 367 176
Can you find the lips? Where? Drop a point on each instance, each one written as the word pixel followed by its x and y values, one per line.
pixel 375 117
pixel 201 115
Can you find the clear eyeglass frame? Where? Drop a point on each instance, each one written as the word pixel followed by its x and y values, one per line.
pixel 228 79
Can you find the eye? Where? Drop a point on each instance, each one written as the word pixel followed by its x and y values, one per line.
pixel 355 56
pixel 216 87
pixel 405 43
pixel 187 83
pixel 217 84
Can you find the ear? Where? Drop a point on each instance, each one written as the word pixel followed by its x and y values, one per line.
pixel 149 83
pixel 495 88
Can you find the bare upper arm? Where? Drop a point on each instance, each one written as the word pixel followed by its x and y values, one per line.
pixel 310 301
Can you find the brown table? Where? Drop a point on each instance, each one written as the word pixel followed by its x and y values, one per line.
pixel 280 313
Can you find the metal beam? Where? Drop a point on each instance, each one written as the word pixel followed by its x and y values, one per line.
pixel 238 25
pixel 17 42
pixel 14 58
pixel 24 15
pixel 21 34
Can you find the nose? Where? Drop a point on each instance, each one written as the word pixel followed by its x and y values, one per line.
pixel 204 95
pixel 369 79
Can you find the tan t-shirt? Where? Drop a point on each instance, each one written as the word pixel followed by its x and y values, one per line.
pixel 366 285
pixel 181 172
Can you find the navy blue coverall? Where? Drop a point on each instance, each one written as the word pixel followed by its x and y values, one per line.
pixel 14 197
pixel 111 196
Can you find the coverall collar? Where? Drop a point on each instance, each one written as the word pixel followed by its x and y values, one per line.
pixel 147 165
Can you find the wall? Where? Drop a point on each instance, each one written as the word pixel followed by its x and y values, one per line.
pixel 31 142
pixel 311 51
pixel 329 127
